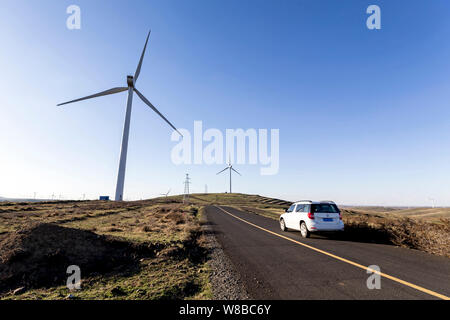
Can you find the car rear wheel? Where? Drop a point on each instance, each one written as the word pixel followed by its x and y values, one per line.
pixel 282 225
pixel 304 230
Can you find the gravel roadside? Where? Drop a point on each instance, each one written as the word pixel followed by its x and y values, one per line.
pixel 225 281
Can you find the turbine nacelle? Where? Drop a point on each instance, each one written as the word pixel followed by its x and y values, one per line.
pixel 130 81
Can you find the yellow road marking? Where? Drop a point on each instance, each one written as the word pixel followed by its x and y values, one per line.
pixel 406 283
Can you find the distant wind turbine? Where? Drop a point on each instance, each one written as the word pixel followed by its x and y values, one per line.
pixel 230 167
pixel 165 194
pixel 433 202
pixel 126 128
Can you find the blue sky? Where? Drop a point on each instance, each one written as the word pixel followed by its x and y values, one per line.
pixel 363 114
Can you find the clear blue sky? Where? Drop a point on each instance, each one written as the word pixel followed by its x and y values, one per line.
pixel 364 115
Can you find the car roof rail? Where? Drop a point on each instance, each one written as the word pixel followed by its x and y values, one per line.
pixel 303 201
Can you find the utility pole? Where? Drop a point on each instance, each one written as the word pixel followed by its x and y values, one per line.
pixel 186 188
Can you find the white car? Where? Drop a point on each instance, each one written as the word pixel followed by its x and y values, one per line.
pixel 312 216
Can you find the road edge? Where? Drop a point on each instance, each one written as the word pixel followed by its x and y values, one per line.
pixel 226 283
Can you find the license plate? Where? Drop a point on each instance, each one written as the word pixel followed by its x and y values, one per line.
pixel 327 219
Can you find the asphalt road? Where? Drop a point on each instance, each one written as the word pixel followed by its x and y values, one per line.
pixel 273 267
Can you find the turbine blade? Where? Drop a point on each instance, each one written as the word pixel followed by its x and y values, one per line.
pixel 103 93
pixel 222 170
pixel 236 171
pixel 156 110
pixel 138 70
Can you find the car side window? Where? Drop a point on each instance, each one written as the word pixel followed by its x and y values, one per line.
pixel 306 208
pixel 299 208
pixel 291 208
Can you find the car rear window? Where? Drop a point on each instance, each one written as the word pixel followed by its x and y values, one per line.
pixel 325 207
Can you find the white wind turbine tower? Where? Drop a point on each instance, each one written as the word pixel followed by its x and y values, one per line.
pixel 230 167
pixel 131 81
pixel 433 202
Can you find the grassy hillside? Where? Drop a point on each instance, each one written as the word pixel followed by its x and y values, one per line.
pixel 422 213
pixel 154 249
pixel 130 250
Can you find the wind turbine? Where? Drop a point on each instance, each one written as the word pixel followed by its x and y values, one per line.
pixel 131 81
pixel 230 167
pixel 165 194
pixel 433 203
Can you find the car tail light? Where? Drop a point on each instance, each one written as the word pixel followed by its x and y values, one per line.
pixel 340 216
pixel 311 215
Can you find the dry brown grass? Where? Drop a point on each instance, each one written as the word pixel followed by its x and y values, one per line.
pixel 431 237
pixel 419 213
pixel 129 250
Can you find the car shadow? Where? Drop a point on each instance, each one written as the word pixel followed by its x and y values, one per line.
pixel 352 234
